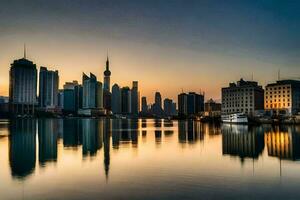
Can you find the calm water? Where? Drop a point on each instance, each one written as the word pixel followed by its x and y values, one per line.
pixel 147 159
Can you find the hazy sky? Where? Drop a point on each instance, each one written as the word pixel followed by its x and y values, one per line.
pixel 167 45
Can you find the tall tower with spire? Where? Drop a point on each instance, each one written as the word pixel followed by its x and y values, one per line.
pixel 106 88
pixel 107 74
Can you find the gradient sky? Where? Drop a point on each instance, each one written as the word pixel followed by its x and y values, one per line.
pixel 167 45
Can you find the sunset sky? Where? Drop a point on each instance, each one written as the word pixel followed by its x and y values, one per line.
pixel 167 45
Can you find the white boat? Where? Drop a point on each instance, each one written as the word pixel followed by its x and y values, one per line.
pixel 236 118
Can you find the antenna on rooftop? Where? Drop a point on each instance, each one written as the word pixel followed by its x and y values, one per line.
pixel 279 74
pixel 24 51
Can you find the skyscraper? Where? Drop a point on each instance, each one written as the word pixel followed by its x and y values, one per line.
pixel 116 99
pixel 107 73
pixel 126 100
pixel 106 88
pixel 144 105
pixel 156 108
pixel 89 91
pixel 70 85
pixel 158 99
pixel 195 103
pixel 99 95
pixel 169 107
pixel 190 104
pixel 92 96
pixel 135 98
pixel 48 88
pixel 182 104
pixel 22 86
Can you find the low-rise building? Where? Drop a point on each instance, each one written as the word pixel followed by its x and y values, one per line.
pixel 212 108
pixel 242 97
pixel 283 97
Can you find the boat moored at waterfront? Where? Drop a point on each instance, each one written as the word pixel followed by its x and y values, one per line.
pixel 235 118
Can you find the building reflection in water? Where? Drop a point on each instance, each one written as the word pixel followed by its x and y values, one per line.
pixel 283 142
pixel 72 132
pixel 157 136
pixel 144 123
pixel 190 131
pixel 168 133
pixel 22 147
pixel 168 123
pixel 157 123
pixel 212 129
pixel 242 141
pixel 106 141
pixel 47 134
pixel 91 137
pixel 134 125
pixel 125 131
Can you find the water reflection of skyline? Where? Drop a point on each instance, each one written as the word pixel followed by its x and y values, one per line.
pixel 242 141
pixel 30 137
pixel 283 142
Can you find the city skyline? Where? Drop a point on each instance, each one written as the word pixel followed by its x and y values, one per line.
pixel 149 42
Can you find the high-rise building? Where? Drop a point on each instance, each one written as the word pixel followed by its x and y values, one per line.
pixel 92 96
pixel 135 99
pixel 169 107
pixel 106 88
pixel 116 99
pixel 182 105
pixel 190 104
pixel 144 105
pixel 242 97
pixel 283 97
pixel 89 91
pixel 195 103
pixel 70 85
pixel 78 95
pixel 107 73
pixel 158 99
pixel 22 86
pixel 48 88
pixel 126 100
pixel 99 95
pixel 107 100
pixel 156 108
pixel 68 101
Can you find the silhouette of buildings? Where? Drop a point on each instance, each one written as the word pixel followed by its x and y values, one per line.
pixel 283 97
pixel 116 99
pixel 126 101
pixel 48 88
pixel 212 108
pixel 190 104
pixel 169 107
pixel 22 87
pixel 135 99
pixel 156 108
pixel 4 107
pixel 242 97
pixel 144 105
